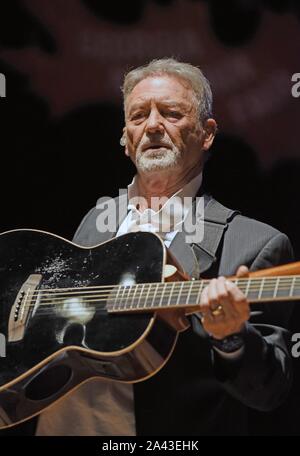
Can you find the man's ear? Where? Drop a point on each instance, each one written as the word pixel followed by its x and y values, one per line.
pixel 123 142
pixel 210 130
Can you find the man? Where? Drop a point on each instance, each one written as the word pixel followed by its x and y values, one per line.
pixel 223 363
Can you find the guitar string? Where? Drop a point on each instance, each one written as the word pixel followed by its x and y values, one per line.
pixel 132 289
pixel 133 294
pixel 84 311
pixel 287 281
pixel 160 286
pixel 135 297
pixel 133 300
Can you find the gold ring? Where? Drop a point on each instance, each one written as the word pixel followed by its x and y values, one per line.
pixel 217 311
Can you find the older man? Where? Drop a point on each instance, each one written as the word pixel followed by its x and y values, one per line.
pixel 223 363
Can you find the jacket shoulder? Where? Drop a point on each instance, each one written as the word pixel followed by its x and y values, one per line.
pixel 88 232
pixel 255 244
pixel 252 227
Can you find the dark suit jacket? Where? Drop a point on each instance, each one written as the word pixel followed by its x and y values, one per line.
pixel 198 392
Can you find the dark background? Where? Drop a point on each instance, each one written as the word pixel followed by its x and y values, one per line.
pixel 62 117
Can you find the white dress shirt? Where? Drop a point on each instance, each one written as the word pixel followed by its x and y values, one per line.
pixel 168 219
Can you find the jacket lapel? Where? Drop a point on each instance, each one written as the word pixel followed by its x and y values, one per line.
pixel 203 253
pixel 195 258
pixel 120 212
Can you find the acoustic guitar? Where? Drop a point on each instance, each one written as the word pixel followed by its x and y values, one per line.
pixel 114 311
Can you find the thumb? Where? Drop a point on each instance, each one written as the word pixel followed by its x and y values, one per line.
pixel 242 271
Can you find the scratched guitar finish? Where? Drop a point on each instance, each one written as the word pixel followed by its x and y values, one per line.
pixel 53 313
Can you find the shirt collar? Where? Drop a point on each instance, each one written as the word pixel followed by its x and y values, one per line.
pixel 190 189
pixel 172 213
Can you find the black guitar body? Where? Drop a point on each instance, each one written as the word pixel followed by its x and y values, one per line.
pixel 48 349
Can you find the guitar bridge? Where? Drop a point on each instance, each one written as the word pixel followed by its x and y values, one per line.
pixel 21 308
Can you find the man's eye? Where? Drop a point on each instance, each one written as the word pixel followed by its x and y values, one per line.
pixel 174 114
pixel 137 115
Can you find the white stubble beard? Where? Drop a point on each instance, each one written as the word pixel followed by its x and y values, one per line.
pixel 157 159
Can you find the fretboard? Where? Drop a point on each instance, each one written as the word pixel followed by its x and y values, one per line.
pixel 156 296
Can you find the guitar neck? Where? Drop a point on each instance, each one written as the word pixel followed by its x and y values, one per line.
pixel 159 296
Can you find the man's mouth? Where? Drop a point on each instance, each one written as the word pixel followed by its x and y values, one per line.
pixel 155 147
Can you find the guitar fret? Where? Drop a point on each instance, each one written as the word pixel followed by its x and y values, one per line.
pixel 141 290
pixel 162 297
pixel 266 291
pixel 296 288
pixel 115 302
pixel 237 283
pixel 146 299
pixel 133 298
pixel 292 286
pixel 127 289
pixel 282 291
pixel 276 288
pixel 189 293
pixel 247 288
pixel 119 307
pixel 261 288
pixel 154 295
pixel 179 294
pixel 199 292
pixel 252 293
pixel 171 293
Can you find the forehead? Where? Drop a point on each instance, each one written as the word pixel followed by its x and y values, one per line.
pixel 161 89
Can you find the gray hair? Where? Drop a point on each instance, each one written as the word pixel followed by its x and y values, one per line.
pixel 169 66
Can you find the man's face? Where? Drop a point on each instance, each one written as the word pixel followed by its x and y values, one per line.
pixel 162 125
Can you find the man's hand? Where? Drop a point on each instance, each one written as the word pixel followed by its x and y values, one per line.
pixel 224 307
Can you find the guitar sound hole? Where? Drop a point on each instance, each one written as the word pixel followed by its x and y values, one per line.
pixel 48 382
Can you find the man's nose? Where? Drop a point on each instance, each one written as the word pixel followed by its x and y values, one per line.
pixel 154 122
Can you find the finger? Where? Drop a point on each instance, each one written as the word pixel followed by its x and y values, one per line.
pixel 204 305
pixel 242 271
pixel 212 293
pixel 225 300
pixel 239 300
pixel 206 317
